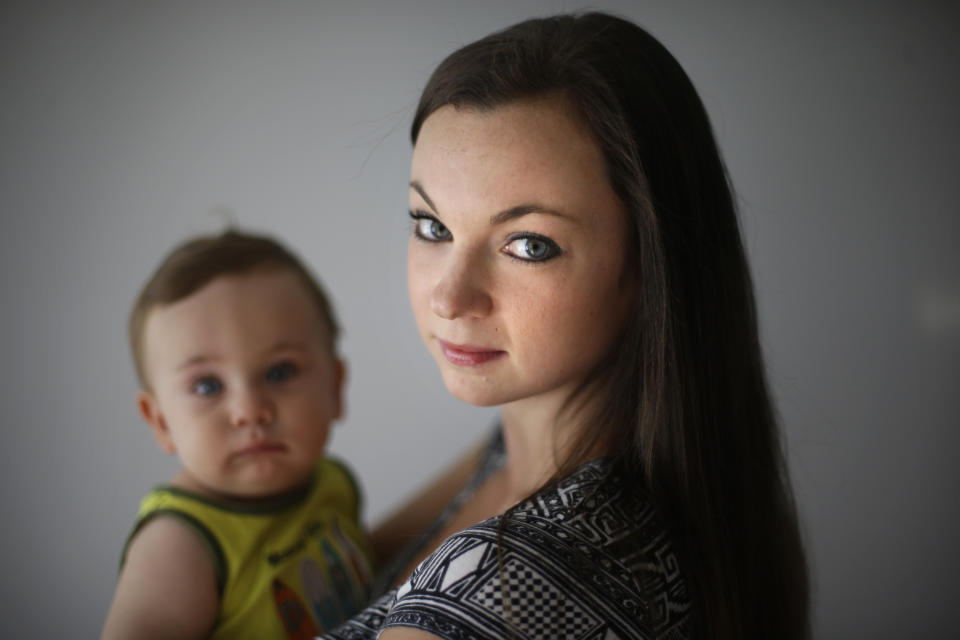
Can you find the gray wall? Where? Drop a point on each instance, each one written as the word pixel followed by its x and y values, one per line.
pixel 127 127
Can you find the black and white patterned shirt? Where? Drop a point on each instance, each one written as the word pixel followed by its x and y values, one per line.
pixel 566 564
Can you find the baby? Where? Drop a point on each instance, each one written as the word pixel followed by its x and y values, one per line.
pixel 258 535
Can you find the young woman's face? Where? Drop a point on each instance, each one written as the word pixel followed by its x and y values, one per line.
pixel 516 260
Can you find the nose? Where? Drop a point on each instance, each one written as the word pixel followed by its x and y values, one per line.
pixel 462 290
pixel 252 407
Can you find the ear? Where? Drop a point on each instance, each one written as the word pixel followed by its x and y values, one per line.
pixel 151 414
pixel 339 376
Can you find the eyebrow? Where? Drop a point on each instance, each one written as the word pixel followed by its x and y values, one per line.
pixel 416 186
pixel 194 361
pixel 288 346
pixel 504 216
pixel 204 359
pixel 521 210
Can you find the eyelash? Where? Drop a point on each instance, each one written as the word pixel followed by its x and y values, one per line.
pixel 289 370
pixel 552 248
pixel 421 216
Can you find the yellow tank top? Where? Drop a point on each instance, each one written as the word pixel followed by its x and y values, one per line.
pixel 294 569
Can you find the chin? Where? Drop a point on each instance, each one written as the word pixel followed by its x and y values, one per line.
pixel 476 394
pixel 272 481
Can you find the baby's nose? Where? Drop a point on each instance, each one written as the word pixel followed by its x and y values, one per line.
pixel 253 408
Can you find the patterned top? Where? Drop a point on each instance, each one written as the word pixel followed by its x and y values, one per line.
pixel 566 563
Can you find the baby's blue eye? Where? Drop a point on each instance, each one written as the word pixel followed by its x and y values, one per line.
pixel 208 386
pixel 281 372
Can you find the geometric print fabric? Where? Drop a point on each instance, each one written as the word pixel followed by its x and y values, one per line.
pixel 566 564
pixel 536 608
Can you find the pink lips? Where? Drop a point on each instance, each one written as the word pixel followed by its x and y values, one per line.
pixel 261 448
pixel 468 355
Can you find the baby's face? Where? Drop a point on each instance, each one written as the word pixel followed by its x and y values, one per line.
pixel 243 384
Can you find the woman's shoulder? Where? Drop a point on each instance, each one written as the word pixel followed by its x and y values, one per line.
pixel 571 559
pixel 598 512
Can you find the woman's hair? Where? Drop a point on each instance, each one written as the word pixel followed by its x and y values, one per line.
pixel 682 402
pixel 195 263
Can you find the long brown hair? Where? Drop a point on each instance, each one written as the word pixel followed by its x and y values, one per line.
pixel 684 396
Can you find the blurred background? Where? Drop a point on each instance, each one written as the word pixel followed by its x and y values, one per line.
pixel 126 127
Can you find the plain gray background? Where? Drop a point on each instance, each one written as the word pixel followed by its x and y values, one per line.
pixel 129 126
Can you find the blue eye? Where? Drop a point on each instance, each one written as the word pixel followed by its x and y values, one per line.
pixel 281 372
pixel 532 248
pixel 206 387
pixel 426 227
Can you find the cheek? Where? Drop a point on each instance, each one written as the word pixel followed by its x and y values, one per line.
pixel 541 299
pixel 316 403
pixel 419 283
pixel 585 311
pixel 175 411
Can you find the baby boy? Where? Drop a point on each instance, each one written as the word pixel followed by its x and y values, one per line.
pixel 257 536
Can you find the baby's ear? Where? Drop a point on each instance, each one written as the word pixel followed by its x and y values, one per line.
pixel 151 414
pixel 339 377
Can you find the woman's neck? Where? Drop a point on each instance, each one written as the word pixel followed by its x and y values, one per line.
pixel 538 436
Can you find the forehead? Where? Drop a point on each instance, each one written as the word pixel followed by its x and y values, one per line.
pixel 234 313
pixel 530 149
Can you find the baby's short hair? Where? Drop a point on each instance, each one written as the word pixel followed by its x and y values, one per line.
pixel 193 264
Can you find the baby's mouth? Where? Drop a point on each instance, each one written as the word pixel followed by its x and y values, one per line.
pixel 260 448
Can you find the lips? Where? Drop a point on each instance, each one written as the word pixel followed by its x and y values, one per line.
pixel 261 448
pixel 468 355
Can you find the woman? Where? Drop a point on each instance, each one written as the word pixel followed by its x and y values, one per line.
pixel 576 258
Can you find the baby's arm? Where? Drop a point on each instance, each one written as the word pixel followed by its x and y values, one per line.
pixel 167 588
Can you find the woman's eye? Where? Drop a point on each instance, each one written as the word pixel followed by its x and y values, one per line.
pixel 532 248
pixel 206 387
pixel 428 228
pixel 281 372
